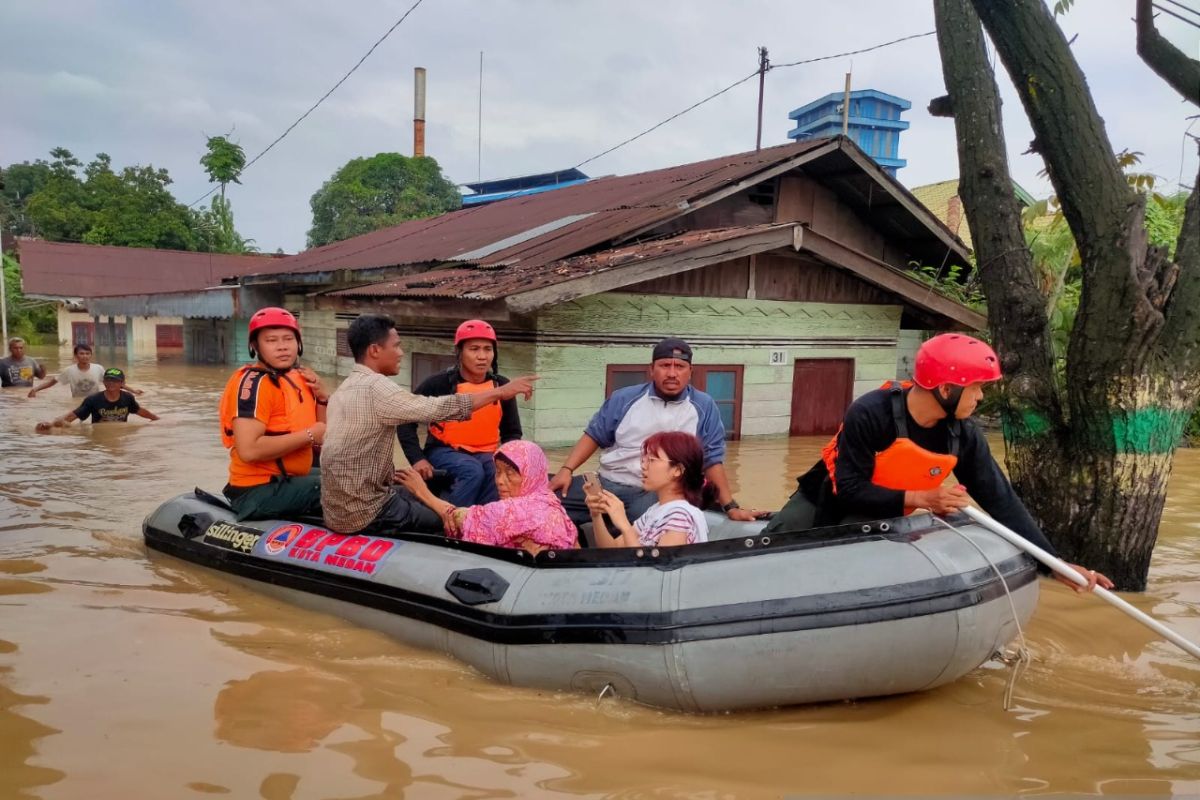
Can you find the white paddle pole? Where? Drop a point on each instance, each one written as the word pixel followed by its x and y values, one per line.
pixel 1061 567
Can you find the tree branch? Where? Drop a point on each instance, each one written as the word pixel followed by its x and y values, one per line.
pixel 1179 71
pixel 1070 133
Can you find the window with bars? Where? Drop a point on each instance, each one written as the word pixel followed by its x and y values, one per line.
pixel 426 364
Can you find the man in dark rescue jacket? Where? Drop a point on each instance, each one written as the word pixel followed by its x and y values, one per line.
pixel 897 445
pixel 464 449
pixel 272 417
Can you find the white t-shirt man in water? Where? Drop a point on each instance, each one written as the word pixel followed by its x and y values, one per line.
pixel 83 377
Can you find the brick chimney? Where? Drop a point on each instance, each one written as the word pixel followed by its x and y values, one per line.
pixel 954 214
pixel 418 112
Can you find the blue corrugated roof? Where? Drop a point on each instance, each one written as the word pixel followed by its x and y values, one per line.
pixel 836 97
pixel 549 179
pixel 491 197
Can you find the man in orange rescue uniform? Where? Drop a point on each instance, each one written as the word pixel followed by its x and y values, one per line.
pixel 897 445
pixel 464 448
pixel 272 416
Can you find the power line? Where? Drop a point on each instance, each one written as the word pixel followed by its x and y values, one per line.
pixel 693 106
pixel 740 81
pixel 1185 8
pixel 854 52
pixel 1191 22
pixel 325 96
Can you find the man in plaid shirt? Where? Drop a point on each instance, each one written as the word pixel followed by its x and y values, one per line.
pixel 357 493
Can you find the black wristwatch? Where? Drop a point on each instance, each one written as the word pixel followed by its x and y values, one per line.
pixel 730 506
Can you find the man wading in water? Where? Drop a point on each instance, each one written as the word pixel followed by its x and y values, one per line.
pixel 114 404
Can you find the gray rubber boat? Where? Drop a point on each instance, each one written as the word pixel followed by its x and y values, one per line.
pixel 743 621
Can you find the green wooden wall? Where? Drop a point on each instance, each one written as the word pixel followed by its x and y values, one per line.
pixel 573 372
pixel 577 340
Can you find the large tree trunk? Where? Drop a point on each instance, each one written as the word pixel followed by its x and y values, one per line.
pixel 1031 409
pixel 1097 478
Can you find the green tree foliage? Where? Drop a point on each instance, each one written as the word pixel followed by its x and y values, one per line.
pixel 1056 257
pixel 223 162
pixel 215 228
pixel 34 320
pixel 949 282
pixel 372 193
pixel 18 182
pixel 95 204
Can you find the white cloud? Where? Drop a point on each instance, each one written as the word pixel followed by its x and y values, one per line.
pixel 63 82
pixel 562 82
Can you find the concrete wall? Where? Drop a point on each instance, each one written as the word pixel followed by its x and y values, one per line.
pixel 906 351
pixel 140 334
pixel 572 344
pixel 318 329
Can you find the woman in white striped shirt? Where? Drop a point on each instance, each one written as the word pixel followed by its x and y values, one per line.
pixel 672 468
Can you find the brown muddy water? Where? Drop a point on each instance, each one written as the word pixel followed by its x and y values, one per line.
pixel 125 674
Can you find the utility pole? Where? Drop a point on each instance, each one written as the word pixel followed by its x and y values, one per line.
pixel 763 65
pixel 846 108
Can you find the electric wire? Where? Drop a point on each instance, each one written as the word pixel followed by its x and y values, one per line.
pixel 740 81
pixel 1191 22
pixel 853 52
pixel 1178 4
pixel 675 116
pixel 323 97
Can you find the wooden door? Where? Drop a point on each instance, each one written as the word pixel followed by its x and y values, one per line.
pixel 821 392
pixel 208 342
pixel 168 337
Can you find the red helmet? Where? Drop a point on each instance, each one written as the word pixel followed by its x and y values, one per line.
pixel 474 329
pixel 272 317
pixel 956 359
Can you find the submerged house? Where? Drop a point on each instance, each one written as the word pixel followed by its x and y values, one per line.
pixel 144 301
pixel 789 270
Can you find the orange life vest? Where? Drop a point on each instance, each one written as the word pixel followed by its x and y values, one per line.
pixel 903 465
pixel 281 401
pixel 480 433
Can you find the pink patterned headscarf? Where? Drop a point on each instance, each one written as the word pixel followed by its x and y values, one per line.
pixel 534 520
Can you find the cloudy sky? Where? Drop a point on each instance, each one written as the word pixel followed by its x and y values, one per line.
pixel 563 80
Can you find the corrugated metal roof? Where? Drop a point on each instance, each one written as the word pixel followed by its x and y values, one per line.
pixel 519 238
pixel 483 283
pixel 615 206
pixel 60 269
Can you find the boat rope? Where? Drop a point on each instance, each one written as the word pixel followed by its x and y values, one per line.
pixel 1019 660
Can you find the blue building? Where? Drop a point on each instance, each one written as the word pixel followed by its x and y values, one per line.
pixel 874 124
pixel 504 188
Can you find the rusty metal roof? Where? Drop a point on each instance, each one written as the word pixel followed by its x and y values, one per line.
pixel 59 269
pixel 494 282
pixel 571 220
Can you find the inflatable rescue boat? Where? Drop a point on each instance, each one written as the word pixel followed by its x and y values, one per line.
pixel 745 620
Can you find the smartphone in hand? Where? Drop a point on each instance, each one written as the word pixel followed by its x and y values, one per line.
pixel 591 484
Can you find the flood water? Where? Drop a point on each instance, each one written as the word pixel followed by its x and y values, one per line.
pixel 127 674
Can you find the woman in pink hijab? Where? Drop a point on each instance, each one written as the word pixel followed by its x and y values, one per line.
pixel 527 515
